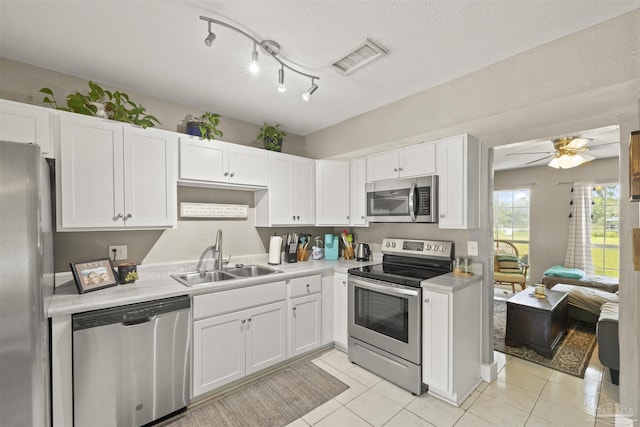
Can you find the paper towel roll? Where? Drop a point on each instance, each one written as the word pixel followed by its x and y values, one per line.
pixel 275 247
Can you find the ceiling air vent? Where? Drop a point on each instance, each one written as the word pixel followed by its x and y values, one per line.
pixel 366 52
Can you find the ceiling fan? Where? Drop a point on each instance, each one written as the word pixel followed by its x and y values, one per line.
pixel 570 151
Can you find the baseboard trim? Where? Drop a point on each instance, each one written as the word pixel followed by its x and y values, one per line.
pixel 489 372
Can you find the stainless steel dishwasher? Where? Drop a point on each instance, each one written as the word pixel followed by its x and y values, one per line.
pixel 131 364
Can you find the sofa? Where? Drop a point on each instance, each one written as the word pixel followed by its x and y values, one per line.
pixel 607 335
pixel 608 284
pixel 585 303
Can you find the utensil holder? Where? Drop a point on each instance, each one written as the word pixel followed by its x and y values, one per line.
pixel 303 254
pixel 348 253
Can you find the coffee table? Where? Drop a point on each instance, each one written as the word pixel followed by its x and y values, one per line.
pixel 536 323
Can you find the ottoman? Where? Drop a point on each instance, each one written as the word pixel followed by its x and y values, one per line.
pixel 585 303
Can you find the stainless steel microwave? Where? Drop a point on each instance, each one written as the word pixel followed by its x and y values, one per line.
pixel 403 200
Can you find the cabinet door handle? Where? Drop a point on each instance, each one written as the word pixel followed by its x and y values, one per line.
pixel 249 319
pixel 395 169
pixel 243 320
pixel 294 309
pixel 231 174
pixel 426 300
pixel 117 217
pixel 442 215
pixel 226 174
pixel 344 282
pixel 347 216
pixel 298 217
pixel 361 217
pixel 127 216
pixel 400 169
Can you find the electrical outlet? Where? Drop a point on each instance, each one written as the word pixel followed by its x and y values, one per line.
pixel 121 252
pixel 472 248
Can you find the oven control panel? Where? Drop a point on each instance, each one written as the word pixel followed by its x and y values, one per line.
pixel 421 248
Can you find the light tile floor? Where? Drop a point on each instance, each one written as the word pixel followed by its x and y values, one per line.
pixel 524 394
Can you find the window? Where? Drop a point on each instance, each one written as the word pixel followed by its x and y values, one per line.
pixel 511 219
pixel 605 229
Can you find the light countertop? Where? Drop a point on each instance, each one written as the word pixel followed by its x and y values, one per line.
pixel 155 283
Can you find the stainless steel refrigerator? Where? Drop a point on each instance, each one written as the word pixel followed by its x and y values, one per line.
pixel 26 285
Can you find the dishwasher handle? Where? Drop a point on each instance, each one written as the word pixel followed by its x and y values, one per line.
pixel 139 321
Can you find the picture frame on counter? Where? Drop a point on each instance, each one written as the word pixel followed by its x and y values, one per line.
pixel 93 275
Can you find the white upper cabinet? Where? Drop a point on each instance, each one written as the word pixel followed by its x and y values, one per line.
pixel 332 192
pixel 26 123
pixel 214 162
pixel 358 194
pixel 411 161
pixel 459 182
pixel 114 176
pixel 290 199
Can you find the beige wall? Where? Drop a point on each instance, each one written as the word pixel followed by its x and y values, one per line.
pixel 550 206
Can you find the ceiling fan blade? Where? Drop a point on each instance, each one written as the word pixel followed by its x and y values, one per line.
pixel 537 160
pixel 602 145
pixel 530 152
pixel 578 143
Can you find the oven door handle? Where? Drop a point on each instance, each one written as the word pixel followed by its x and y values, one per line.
pixel 412 201
pixel 389 288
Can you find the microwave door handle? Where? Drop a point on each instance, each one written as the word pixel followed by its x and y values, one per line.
pixel 412 203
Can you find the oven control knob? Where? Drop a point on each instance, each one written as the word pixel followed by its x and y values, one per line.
pixel 387 244
pixel 428 247
pixel 436 247
pixel 393 244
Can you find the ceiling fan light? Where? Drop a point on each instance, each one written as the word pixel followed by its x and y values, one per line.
pixel 566 161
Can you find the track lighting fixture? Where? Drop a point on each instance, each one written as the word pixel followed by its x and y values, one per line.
pixel 281 87
pixel 254 67
pixel 210 38
pixel 310 91
pixel 268 47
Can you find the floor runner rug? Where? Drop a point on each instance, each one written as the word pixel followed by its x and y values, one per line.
pixel 276 399
pixel 571 355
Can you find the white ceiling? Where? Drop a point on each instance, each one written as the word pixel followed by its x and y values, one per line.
pixel 157 48
pixel 605 143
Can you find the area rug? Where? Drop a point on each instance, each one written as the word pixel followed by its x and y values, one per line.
pixel 273 400
pixel 571 355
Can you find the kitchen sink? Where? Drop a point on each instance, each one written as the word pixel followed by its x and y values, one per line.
pixel 195 278
pixel 252 271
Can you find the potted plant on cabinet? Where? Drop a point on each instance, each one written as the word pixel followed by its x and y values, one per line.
pixel 272 136
pixel 205 126
pixel 103 103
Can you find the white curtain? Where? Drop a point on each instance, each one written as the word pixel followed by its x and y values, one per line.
pixel 579 245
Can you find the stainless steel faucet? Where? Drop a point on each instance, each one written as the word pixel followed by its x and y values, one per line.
pixel 216 253
pixel 217 249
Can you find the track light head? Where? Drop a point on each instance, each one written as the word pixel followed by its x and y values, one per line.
pixel 253 66
pixel 281 88
pixel 310 91
pixel 210 38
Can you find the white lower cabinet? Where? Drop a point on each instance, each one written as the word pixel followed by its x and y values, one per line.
pixel 229 345
pixel 451 359
pixel 305 314
pixel 340 296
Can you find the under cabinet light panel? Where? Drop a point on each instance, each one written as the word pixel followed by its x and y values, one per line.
pixel 362 55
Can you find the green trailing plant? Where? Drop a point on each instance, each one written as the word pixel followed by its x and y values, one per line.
pixel 132 276
pixel 208 124
pixel 117 105
pixel 272 136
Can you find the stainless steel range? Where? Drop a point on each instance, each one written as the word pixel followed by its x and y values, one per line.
pixel 385 315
